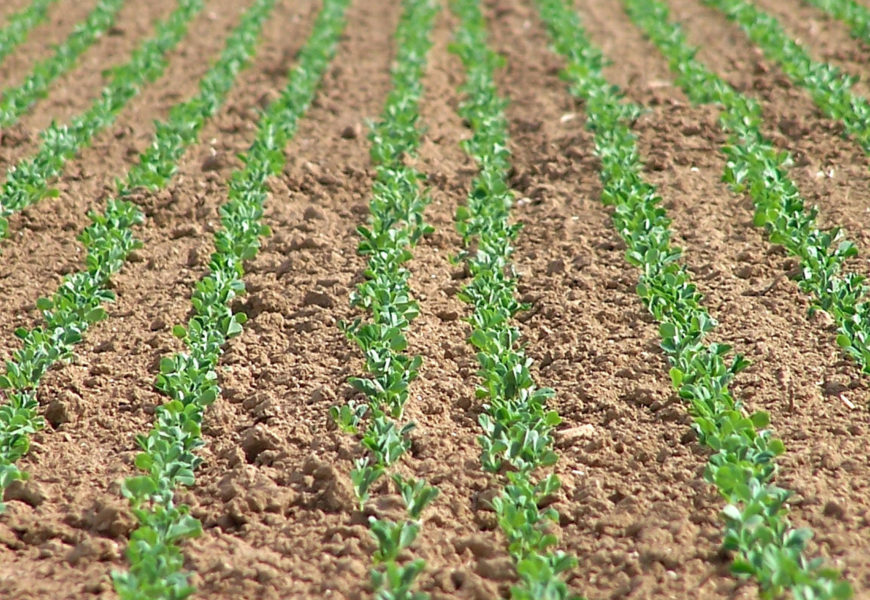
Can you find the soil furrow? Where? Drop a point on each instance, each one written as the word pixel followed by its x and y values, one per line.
pixel 78 530
pixel 760 312
pixel 275 494
pixel 825 38
pixel 43 245
pixel 465 550
pixel 59 22
pixel 830 170
pixel 74 91
pixel 638 517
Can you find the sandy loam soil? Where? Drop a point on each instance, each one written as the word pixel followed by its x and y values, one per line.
pixel 274 493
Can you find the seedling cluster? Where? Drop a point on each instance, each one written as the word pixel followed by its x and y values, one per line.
pixel 21 24
pixel 742 463
pixel 830 88
pixel 517 440
pixel 15 102
pixel 517 425
pixel 396 225
pixel 28 181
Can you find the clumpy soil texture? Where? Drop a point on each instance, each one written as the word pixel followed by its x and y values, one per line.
pixel 274 493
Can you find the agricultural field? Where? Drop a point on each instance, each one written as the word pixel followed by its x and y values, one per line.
pixel 407 299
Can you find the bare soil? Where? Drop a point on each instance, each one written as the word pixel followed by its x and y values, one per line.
pixel 274 493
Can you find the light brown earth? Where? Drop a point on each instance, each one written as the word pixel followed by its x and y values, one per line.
pixel 274 493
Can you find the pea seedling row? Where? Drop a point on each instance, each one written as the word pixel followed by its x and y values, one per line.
pixel 518 427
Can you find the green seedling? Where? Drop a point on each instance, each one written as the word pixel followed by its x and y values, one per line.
pixel 15 101
pixel 189 378
pixel 517 428
pixel 21 24
pixel 27 182
pixel 741 464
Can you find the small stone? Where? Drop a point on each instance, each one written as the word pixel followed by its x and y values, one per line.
pixel 255 441
pixel 351 132
pixel 29 492
pixel 556 266
pixel 316 298
pixel 114 521
pixel 50 549
pixel 834 510
pixel 213 162
pixel 184 231
pixel 485 498
pixel 158 324
pixel 573 435
pixel 447 315
pixel 57 413
pixel 498 569
pixel 480 546
pixel 193 257
pixel 312 213
pixel 320 395
pixel 312 168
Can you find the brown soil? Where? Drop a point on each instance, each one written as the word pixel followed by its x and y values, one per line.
pixel 826 38
pixel 74 91
pixel 274 493
pixel 54 29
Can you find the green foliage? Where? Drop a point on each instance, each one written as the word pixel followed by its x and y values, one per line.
pixel 854 14
pixel 517 426
pixel 15 101
pixel 109 240
pixel 69 312
pixel 27 182
pixel 395 226
pixel 759 169
pixel 742 463
pixel 829 87
pixel 189 378
pixel 20 25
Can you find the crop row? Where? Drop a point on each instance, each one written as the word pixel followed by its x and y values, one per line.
pixel 27 182
pixel 78 301
pixel 853 14
pixel 828 86
pixel 395 226
pixel 189 378
pixel 755 166
pixel 517 428
pixel 15 101
pixel 742 463
pixel 20 25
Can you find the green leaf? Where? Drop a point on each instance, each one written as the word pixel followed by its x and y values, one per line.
pixel 138 487
pixel 760 419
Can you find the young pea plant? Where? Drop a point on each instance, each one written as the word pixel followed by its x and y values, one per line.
pixel 21 24
pixel 517 427
pixel 759 169
pixel 742 463
pixel 14 102
pixel 28 181
pixel 852 13
pixel 395 226
pixel 830 89
pixel 189 378
pixel 79 300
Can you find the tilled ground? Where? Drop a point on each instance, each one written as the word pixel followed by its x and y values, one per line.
pixel 274 494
